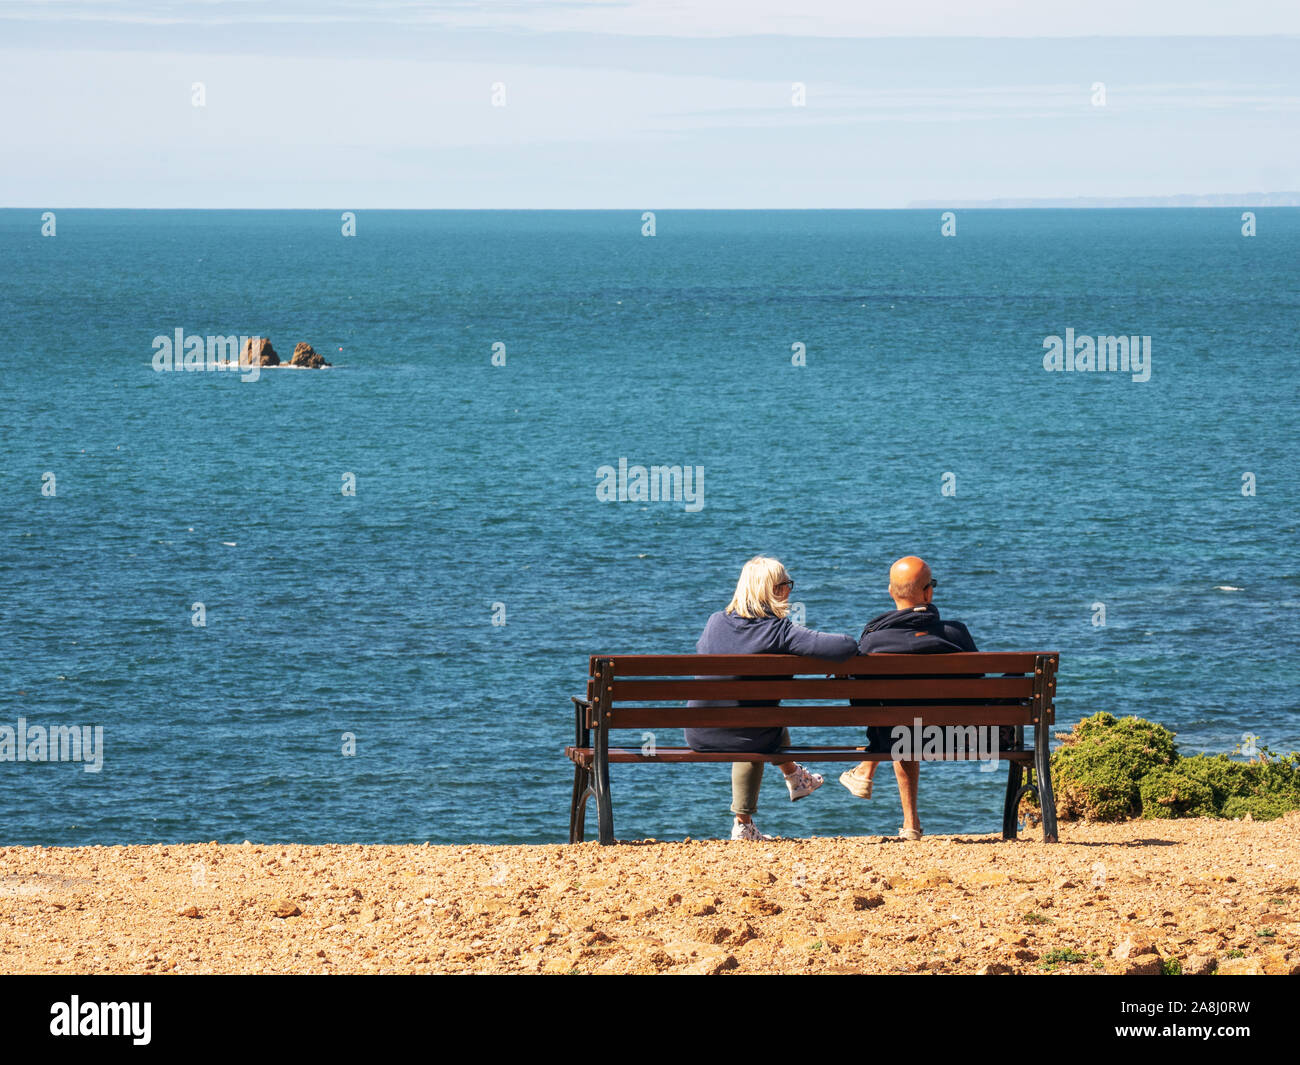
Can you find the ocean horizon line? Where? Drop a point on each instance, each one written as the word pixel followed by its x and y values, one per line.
pixel 927 205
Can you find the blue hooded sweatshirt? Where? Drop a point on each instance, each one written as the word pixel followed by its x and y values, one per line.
pixel 917 630
pixel 729 634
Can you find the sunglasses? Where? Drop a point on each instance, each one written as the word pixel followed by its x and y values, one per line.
pixel 933 583
pixel 787 584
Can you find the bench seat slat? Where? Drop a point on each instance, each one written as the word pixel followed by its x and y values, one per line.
pixel 828 716
pixel 584 756
pixel 937 689
pixel 862 665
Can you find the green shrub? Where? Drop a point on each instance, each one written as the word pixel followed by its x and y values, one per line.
pixel 1112 769
pixel 1277 777
pixel 1168 791
pixel 1224 776
pixel 1097 770
pixel 1260 807
pixel 1063 956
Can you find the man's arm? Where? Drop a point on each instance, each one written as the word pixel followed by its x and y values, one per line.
pixel 960 635
pixel 821 644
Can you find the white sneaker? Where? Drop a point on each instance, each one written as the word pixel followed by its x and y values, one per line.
pixel 801 782
pixel 747 830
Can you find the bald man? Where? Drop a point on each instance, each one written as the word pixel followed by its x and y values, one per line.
pixel 913 628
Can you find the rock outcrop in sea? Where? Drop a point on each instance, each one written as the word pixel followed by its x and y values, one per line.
pixel 257 351
pixel 305 355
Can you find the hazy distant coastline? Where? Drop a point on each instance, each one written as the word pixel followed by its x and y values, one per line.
pixel 1218 199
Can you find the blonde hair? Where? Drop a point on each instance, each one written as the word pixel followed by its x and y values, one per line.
pixel 756 590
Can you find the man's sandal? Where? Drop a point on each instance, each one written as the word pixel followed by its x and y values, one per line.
pixel 909 833
pixel 860 786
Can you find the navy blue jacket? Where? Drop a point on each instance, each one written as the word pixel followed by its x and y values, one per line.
pixel 728 634
pixel 918 630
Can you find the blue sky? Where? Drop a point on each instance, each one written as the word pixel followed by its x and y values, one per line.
pixel 641 105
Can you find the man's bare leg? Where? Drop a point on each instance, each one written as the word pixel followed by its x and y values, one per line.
pixel 909 779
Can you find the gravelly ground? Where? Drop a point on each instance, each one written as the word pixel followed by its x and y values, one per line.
pixel 1118 898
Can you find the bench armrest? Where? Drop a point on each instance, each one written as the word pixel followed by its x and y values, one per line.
pixel 581 733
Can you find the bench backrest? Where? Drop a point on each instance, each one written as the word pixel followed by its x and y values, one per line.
pixel 649 691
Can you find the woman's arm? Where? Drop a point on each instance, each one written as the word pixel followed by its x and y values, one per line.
pixel 820 644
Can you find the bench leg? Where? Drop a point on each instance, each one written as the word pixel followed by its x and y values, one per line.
pixel 578 807
pixel 1011 808
pixel 604 804
pixel 1043 775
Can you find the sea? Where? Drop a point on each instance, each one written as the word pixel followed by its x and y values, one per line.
pixel 350 605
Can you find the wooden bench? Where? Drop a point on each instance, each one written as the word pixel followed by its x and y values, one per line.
pixel 977 688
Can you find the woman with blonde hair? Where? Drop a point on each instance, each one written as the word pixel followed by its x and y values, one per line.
pixel 757 621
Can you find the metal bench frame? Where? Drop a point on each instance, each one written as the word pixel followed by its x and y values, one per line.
pixel 894 684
